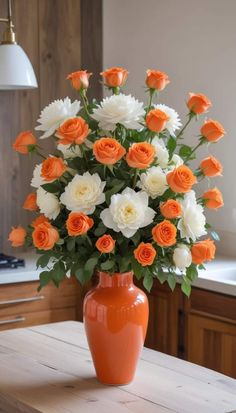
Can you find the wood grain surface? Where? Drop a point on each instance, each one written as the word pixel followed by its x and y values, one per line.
pixel 57 36
pixel 48 369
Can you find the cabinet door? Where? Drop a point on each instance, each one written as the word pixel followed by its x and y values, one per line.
pixel 212 344
pixel 163 326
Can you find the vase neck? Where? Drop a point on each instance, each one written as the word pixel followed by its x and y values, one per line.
pixel 116 279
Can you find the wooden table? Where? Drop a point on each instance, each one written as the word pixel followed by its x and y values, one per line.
pixel 48 369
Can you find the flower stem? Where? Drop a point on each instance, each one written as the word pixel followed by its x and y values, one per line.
pixel 151 94
pixel 185 126
pixel 135 178
pixel 40 154
pixel 85 101
pixel 193 150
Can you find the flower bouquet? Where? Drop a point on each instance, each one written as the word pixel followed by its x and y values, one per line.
pixel 118 195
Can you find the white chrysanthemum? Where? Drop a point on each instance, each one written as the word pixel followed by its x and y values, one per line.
pixel 192 222
pixel 123 109
pixel 176 161
pixel 56 113
pixel 48 203
pixel 162 153
pixel 182 257
pixel 37 180
pixel 174 122
pixel 153 182
pixel 83 193
pixel 128 212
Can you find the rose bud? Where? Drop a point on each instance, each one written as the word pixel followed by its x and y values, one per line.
pixel 212 130
pixel 211 167
pixel 115 76
pixel 198 103
pixel 80 79
pixel 156 80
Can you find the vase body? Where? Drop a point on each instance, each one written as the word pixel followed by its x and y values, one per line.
pixel 115 318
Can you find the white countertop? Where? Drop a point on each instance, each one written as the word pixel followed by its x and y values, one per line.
pixel 21 274
pixel 219 276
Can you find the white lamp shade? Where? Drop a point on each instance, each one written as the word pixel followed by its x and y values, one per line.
pixel 16 71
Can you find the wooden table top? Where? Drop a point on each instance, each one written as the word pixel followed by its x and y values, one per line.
pixel 48 369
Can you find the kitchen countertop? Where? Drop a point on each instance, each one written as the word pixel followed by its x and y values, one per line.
pixel 48 369
pixel 219 276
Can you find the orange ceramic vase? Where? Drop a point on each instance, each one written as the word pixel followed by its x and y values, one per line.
pixel 115 318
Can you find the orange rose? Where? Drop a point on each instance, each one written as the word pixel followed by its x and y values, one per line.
pixel 53 168
pixel 145 254
pixel 171 209
pixel 181 179
pixel 105 244
pixel 30 202
pixel 214 199
pixel 210 166
pixel 164 234
pixel 156 80
pixel 73 130
pixel 78 224
pixel 23 141
pixel 79 79
pixel 140 155
pixel 45 236
pixel 212 130
pixel 115 76
pixel 17 236
pixel 108 151
pixel 203 251
pixel 39 220
pixel 156 120
pixel 198 103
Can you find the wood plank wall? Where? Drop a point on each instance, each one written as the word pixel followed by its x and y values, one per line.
pixel 59 36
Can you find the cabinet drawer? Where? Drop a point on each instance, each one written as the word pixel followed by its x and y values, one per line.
pixel 23 298
pixel 27 319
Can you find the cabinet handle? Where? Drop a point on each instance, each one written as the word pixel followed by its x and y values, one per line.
pixel 12 320
pixel 22 300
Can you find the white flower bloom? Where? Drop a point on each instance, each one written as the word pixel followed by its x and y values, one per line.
pixel 48 203
pixel 182 257
pixel 56 113
pixel 83 193
pixel 162 153
pixel 123 109
pixel 192 223
pixel 174 122
pixel 37 180
pixel 70 151
pixel 153 182
pixel 176 161
pixel 128 212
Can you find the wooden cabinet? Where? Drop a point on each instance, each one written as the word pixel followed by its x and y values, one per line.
pixel 22 306
pixel 164 327
pixel 210 331
pixel 201 329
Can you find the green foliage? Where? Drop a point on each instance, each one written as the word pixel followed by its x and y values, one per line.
pixel 171 145
pixel 148 281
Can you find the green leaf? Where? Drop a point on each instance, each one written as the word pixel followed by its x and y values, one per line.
pixel 161 275
pixel 44 279
pixel 186 288
pixel 124 263
pixel 78 271
pixel 171 145
pixel 136 238
pixel 185 151
pixel 215 236
pixel 113 191
pixel 191 272
pixel 58 273
pixel 148 281
pixel 137 268
pixel 89 268
pixel 43 260
pixel 70 244
pixel 52 187
pixel 100 230
pixel 107 265
pixel 171 281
